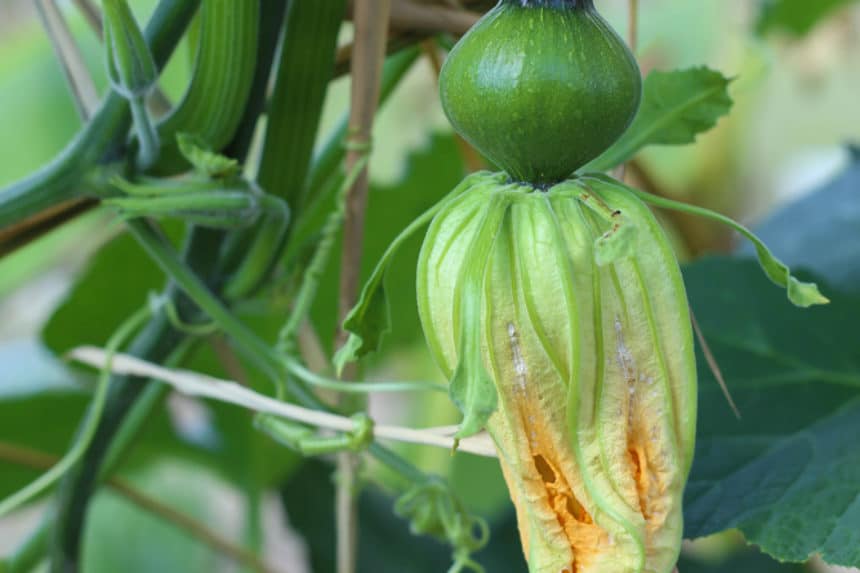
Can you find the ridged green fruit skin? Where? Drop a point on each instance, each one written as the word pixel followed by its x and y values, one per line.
pixel 592 359
pixel 541 87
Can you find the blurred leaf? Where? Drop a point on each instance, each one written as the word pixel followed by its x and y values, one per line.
pixel 114 284
pixel 796 17
pixel 24 424
pixel 122 537
pixel 45 418
pixel 676 107
pixel 748 560
pixel 33 92
pixel 821 231
pixel 788 473
pixel 63 247
pixel 34 388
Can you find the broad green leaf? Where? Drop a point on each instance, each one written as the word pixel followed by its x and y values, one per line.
pixel 796 17
pixel 747 560
pixel 676 107
pixel 67 244
pixel 788 473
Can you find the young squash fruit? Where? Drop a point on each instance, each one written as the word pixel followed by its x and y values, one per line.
pixel 541 87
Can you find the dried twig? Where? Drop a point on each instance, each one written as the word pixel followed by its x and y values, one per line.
pixel 412 23
pixel 371 19
pixel 229 360
pixel 411 16
pixel 633 25
pixel 620 172
pixel 194 384
pixel 91 15
pixel 80 81
pixel 396 41
pixel 311 347
pixel 22 233
pixel 40 461
pixel 713 365
pixel 371 33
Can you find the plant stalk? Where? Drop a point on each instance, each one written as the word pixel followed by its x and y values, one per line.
pixel 75 69
pixel 633 25
pixel 155 342
pixel 371 34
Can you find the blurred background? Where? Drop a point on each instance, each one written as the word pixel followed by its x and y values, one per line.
pixel 796 95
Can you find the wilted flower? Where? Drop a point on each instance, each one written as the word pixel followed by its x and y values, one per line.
pixel 560 317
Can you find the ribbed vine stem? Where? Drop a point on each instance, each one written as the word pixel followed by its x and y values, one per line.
pixel 156 342
pixel 47 191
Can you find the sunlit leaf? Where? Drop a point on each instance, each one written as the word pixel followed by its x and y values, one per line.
pixel 676 107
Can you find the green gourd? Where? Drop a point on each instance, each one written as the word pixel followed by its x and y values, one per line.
pixel 541 87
